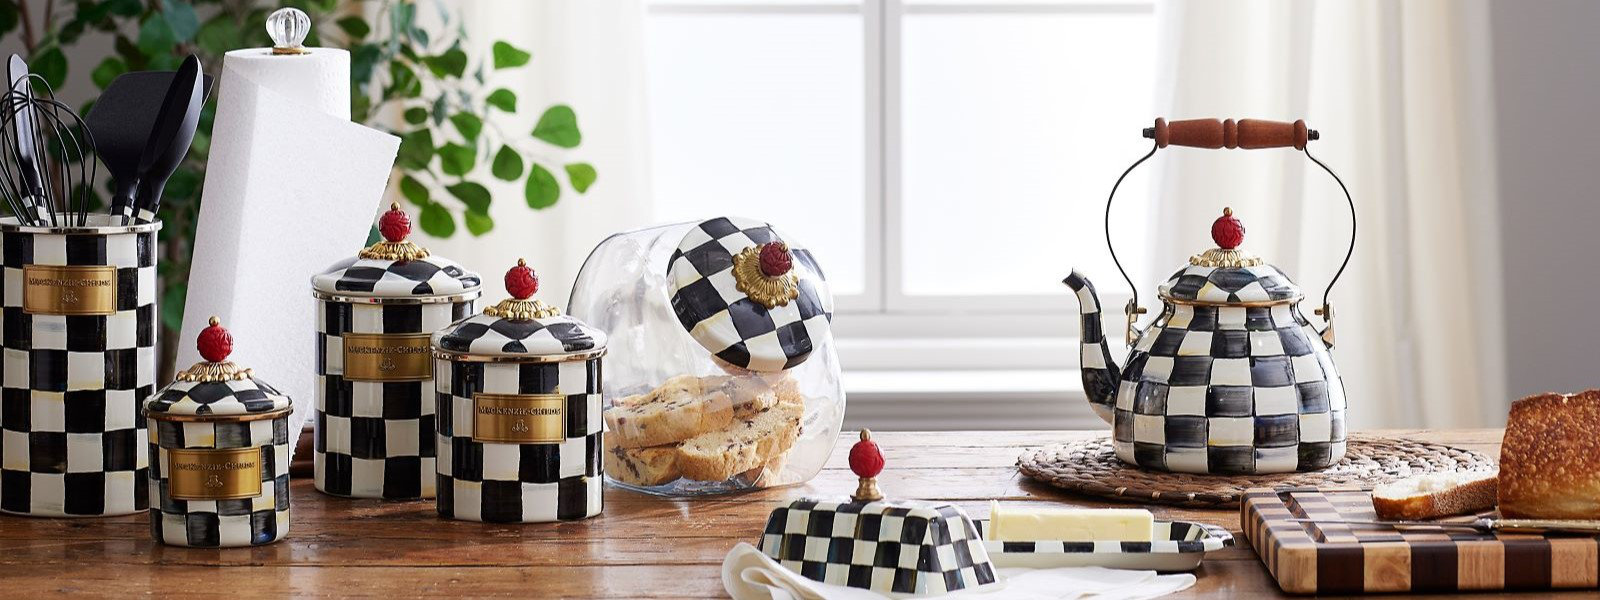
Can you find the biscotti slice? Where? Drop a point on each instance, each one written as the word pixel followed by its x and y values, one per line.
pixel 750 395
pixel 650 466
pixel 1435 495
pixel 747 444
pixel 674 412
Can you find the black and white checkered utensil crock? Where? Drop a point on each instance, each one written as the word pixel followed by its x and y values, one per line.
pixel 376 316
pixel 79 336
pixel 519 429
pixel 219 454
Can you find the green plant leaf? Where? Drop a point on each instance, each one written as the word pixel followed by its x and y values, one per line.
pixel 416 115
pixel 440 108
pixel 436 221
pixel 8 17
pixel 478 223
pixel 559 126
pixel 502 99
pixel 181 19
pixel 414 191
pixel 220 34
pixel 172 305
pixel 582 176
pixel 468 124
pixel 363 59
pixel 450 64
pixel 507 56
pixel 355 27
pixel 124 8
pixel 456 159
pixel 543 190
pixel 156 38
pixel 507 164
pixel 416 150
pixel 403 81
pixel 110 67
pixel 51 65
pixel 474 195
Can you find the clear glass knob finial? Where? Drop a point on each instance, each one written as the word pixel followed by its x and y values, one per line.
pixel 288 28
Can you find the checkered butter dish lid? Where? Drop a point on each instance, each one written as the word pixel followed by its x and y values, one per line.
pixel 1228 275
pixel 395 267
pixel 520 328
pixel 216 387
pixel 748 295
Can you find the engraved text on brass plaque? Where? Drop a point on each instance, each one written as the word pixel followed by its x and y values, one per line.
pixel 519 418
pixel 204 474
pixel 387 357
pixel 69 290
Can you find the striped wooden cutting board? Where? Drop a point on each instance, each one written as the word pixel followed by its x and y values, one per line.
pixel 1317 558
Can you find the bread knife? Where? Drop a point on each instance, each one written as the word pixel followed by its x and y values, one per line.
pixel 1485 525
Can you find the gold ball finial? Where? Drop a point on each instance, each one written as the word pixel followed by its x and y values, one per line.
pixel 214 321
pixel 1227 211
pixel 522 263
pixel 866 434
pixel 394 206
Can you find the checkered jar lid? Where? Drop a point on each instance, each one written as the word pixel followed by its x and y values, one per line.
pixel 890 548
pixel 396 268
pixel 520 327
pixel 216 386
pixel 1228 275
pixel 748 295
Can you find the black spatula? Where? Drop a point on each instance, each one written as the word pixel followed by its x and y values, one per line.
pixel 122 121
pixel 30 180
pixel 169 138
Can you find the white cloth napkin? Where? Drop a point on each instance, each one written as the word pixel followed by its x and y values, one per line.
pixel 750 575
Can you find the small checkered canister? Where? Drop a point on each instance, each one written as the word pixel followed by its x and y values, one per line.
pixel 79 336
pixel 219 454
pixel 376 316
pixel 519 428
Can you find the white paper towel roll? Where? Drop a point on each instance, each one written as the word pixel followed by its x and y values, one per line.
pixel 291 186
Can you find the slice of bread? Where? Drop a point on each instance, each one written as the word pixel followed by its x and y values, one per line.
pixel 678 410
pixel 1435 495
pixel 655 465
pixel 1550 458
pixel 749 443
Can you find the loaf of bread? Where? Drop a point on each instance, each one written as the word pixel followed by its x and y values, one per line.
pixel 1550 458
pixel 1434 495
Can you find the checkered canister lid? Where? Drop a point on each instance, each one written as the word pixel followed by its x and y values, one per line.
pixel 216 386
pixel 520 327
pixel 395 267
pixel 753 298
pixel 1227 274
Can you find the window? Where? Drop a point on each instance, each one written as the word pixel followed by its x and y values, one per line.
pixel 947 161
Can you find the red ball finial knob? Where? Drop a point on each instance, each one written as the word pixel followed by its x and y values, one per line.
pixel 521 281
pixel 215 342
pixel 1227 231
pixel 775 259
pixel 866 460
pixel 395 225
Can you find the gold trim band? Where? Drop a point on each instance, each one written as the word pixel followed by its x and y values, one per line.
pixel 1251 304
pixel 544 359
pixel 282 412
pixel 461 297
pixel 9 225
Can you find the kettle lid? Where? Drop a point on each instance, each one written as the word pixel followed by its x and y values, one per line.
pixel 1228 275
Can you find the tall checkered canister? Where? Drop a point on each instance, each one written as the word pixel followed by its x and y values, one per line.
pixel 79 338
pixel 219 454
pixel 518 391
pixel 377 315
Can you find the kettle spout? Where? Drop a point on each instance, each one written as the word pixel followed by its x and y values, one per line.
pixel 1100 371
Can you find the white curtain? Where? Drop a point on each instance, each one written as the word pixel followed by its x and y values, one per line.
pixel 588 54
pixel 1401 94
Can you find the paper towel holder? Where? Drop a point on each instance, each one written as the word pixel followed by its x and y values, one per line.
pixel 288 28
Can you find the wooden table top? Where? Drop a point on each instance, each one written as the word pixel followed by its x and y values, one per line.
pixel 640 547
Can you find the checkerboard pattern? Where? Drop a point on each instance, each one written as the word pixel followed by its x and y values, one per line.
pixel 922 550
pixel 1170 537
pixel 72 385
pixel 234 397
pixel 739 330
pixel 375 439
pixel 1261 283
pixel 518 483
pixel 429 276
pixel 221 523
pixel 484 335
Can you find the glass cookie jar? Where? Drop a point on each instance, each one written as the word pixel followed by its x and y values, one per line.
pixel 518 391
pixel 722 374
pixel 375 321
pixel 219 454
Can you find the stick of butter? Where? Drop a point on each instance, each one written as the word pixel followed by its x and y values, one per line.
pixel 1069 524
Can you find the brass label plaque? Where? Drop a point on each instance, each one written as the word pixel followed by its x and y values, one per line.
pixel 388 357
pixel 204 474
pixel 519 418
pixel 64 290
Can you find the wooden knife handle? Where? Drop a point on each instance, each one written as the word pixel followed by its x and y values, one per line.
pixel 1249 134
pixel 1568 525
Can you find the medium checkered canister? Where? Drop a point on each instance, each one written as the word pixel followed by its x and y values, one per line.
pixel 375 320
pixel 518 393
pixel 79 336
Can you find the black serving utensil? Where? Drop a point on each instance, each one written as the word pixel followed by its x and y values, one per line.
pixel 169 139
pixel 28 185
pixel 122 121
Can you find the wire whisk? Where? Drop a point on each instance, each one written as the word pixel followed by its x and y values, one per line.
pixel 48 165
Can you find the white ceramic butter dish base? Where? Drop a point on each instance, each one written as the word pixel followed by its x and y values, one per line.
pixel 1178 546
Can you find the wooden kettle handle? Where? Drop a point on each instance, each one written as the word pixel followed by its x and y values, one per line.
pixel 1249 134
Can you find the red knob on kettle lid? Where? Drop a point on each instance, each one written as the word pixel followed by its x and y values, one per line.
pixel 775 259
pixel 1227 231
pixel 215 342
pixel 521 281
pixel 395 224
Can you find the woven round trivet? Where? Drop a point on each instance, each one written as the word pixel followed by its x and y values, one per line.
pixel 1090 467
